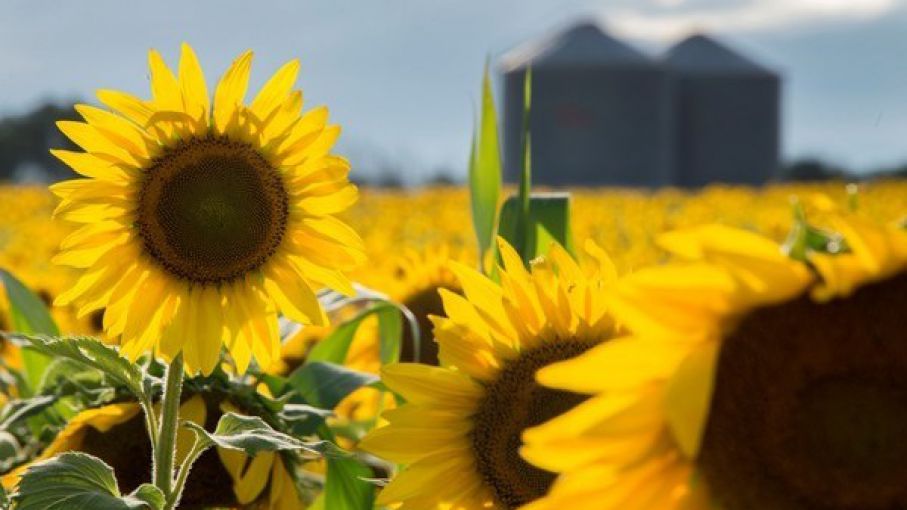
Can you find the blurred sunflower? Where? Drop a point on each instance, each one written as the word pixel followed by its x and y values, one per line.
pixel 459 432
pixel 754 381
pixel 418 277
pixel 221 478
pixel 201 219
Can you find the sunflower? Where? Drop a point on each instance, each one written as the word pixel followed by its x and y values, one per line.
pixel 201 219
pixel 459 432
pixel 221 478
pixel 417 278
pixel 753 381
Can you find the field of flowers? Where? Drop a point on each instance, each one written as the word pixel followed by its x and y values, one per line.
pixel 213 316
pixel 394 223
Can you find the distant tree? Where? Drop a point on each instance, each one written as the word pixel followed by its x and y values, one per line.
pixel 811 170
pixel 26 139
pixel 389 179
pixel 898 172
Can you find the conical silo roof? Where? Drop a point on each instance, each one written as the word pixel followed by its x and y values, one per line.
pixel 582 44
pixel 702 54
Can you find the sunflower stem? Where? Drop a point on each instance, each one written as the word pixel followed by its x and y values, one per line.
pixel 150 425
pixel 173 499
pixel 165 452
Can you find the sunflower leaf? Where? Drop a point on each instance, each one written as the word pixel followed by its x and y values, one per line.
pixel 346 486
pixel 302 419
pixel 74 481
pixel 16 410
pixel 148 494
pixel 28 315
pixel 324 385
pixel 92 353
pixel 249 434
pixel 9 446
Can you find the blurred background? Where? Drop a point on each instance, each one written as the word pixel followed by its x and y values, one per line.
pixel 685 92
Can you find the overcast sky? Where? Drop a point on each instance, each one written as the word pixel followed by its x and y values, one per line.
pixel 401 76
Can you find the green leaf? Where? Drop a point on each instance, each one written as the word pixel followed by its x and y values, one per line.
pixel 804 238
pixel 74 481
pixel 93 354
pixel 16 410
pixel 485 170
pixel 28 315
pixel 346 483
pixel 249 434
pixel 334 347
pixel 148 494
pixel 302 419
pixel 524 223
pixel 390 330
pixel 317 503
pixel 346 486
pixel 549 217
pixel 326 384
pixel 67 377
pixel 9 446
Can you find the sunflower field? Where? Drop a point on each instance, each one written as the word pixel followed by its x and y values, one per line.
pixel 213 316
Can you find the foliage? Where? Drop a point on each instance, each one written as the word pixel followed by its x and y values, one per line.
pixel 74 481
pixel 485 170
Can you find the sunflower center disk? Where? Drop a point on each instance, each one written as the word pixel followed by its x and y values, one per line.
pixel 514 402
pixel 810 406
pixel 212 210
pixel 422 304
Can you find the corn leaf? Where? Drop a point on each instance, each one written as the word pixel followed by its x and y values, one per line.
pixel 524 223
pixel 549 220
pixel 485 171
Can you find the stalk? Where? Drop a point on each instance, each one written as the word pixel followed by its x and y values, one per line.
pixel 166 443
pixel 173 498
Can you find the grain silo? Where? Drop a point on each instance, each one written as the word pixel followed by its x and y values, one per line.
pixel 600 111
pixel 726 115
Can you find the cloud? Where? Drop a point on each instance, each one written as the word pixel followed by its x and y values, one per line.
pixel 676 18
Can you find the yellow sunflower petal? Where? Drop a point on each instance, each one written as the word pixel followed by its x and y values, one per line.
pixel 230 92
pixel 276 89
pixel 689 395
pixel 423 384
pixel 194 89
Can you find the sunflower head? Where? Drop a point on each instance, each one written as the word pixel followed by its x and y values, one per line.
pixel 416 280
pixel 202 219
pixel 754 380
pixel 459 432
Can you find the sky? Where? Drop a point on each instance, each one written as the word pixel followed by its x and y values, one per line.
pixel 402 76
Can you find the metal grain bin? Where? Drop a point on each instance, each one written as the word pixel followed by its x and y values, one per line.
pixel 600 112
pixel 727 111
